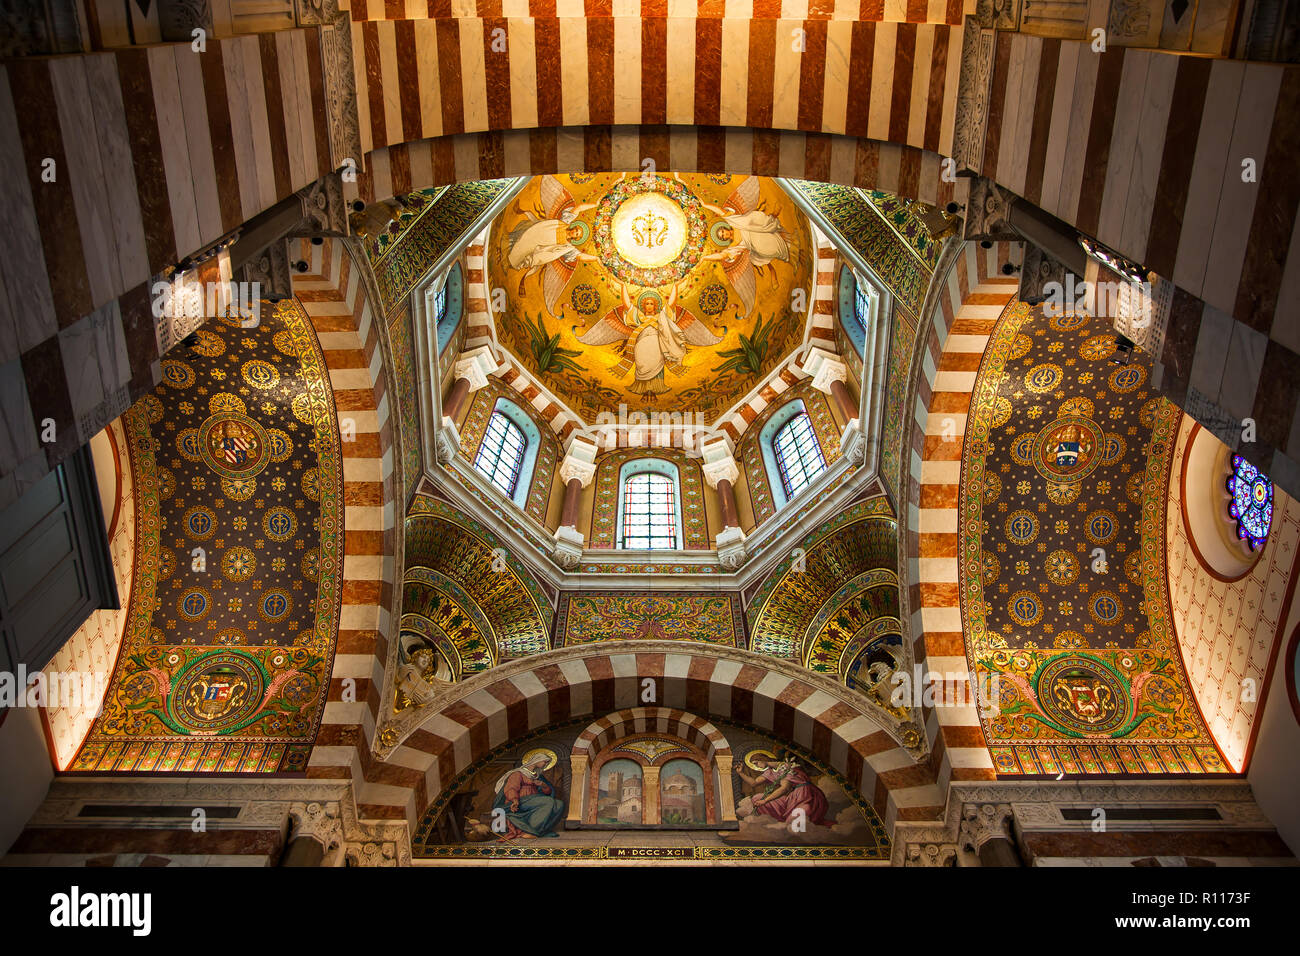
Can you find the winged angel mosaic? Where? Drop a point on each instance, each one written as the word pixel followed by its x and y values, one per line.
pixel 653 268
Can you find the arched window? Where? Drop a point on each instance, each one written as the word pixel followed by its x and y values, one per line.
pixel 1252 502
pixel 449 306
pixel 792 455
pixel 501 454
pixel 649 508
pixel 857 302
pixel 798 454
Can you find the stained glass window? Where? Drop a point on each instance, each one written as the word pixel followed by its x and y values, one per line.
pixel 798 454
pixel 649 511
pixel 1252 502
pixel 501 453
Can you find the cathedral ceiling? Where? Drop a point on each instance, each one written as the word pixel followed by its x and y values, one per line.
pixel 234 608
pixel 664 293
pixel 1064 593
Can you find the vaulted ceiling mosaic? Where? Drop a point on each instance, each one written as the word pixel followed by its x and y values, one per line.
pixel 465 595
pixel 1063 585
pixel 661 292
pixel 234 609
pixel 836 596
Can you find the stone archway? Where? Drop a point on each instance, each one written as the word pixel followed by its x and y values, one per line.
pixel 774 697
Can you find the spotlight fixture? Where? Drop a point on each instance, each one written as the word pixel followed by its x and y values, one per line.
pixel 358 205
pixel 301 265
pixel 1113 260
pixel 317 240
pixel 1123 350
pixel 1010 268
pixel 952 208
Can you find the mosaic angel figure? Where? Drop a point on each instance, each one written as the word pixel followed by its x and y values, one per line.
pixel 753 238
pixel 548 240
pixel 653 337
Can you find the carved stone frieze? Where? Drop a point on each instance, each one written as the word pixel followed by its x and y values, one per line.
pixel 973 88
pixel 987 211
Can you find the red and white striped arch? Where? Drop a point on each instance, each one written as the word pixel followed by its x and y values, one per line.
pixel 895 11
pixel 887 81
pixel 969 300
pixel 651 720
pixel 336 299
pixel 521 697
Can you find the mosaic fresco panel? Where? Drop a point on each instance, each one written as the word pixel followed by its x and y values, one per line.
pixel 604 516
pixel 588 617
pixel 440 224
pixel 408 403
pixel 1063 589
pixel 548 453
pixel 802 611
pixel 840 823
pixel 751 452
pixel 235 604
pixel 862 226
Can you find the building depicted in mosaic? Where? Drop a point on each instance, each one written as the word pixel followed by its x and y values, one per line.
pixel 549 434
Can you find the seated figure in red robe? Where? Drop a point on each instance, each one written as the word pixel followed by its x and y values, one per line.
pixel 786 789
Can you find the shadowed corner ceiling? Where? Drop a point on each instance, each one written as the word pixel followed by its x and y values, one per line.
pixel 658 292
pixel 464 596
pixel 1064 591
pixel 234 608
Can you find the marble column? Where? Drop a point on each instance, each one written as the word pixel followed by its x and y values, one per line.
pixel 577 787
pixel 829 375
pixel 469 375
pixel 721 473
pixel 576 471
pixel 650 795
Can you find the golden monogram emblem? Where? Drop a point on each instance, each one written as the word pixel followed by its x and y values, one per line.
pixel 649 230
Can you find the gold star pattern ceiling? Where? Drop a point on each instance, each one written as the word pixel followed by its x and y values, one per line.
pixel 234 608
pixel 1064 593
pixel 660 292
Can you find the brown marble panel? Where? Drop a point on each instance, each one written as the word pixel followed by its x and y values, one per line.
pixel 812 76
pixel 1045 92
pixel 900 107
pixel 449 77
pixel 275 114
pixel 1181 134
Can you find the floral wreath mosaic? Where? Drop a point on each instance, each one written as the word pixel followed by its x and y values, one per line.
pixel 692 248
pixel 226 653
pixel 1088 674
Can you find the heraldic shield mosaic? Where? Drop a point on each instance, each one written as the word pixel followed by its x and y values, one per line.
pixel 234 607
pixel 1063 592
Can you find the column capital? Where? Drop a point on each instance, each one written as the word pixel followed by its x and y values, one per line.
pixel 825 368
pixel 579 460
pixel 719 470
pixel 476 366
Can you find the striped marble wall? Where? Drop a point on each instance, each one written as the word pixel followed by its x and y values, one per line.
pixel 418 79
pixel 336 299
pixel 1148 152
pixel 971 297
pixel 124 163
pixel 911 11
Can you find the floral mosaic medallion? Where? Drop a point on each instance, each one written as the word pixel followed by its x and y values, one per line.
pixel 238 476
pixel 1064 598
